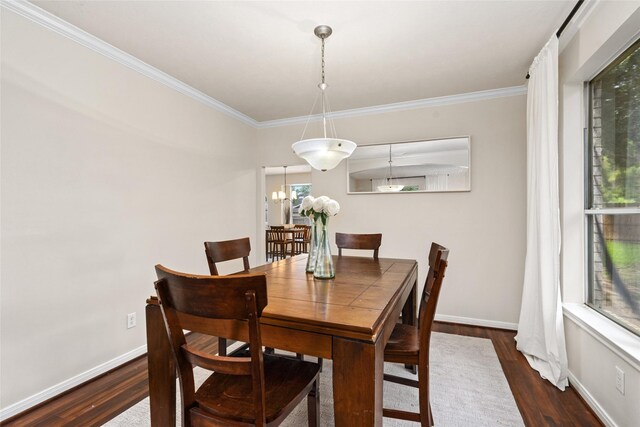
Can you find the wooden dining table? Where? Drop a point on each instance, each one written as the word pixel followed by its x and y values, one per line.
pixel 347 319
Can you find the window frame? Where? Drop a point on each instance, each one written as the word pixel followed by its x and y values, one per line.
pixel 590 212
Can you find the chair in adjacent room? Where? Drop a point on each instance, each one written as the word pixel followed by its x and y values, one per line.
pixel 359 241
pixel 227 250
pixel 410 344
pixel 278 243
pixel 302 239
pixel 257 390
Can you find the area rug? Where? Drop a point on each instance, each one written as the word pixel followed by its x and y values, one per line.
pixel 468 388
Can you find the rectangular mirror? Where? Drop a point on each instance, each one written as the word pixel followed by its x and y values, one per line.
pixel 408 167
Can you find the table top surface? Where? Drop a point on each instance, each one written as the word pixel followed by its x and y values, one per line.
pixel 355 303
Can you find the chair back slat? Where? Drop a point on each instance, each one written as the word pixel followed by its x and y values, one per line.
pixel 221 364
pixel 227 250
pixel 359 241
pixel 236 329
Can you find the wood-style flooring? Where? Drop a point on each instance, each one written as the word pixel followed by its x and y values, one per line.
pixel 101 399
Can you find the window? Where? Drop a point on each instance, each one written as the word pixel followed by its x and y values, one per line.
pixel 613 196
pixel 302 191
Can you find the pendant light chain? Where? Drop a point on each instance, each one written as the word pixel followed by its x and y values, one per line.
pixel 324 99
pixel 390 173
pixel 323 59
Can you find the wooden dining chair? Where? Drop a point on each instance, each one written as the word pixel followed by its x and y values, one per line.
pixel 302 239
pixel 257 390
pixel 410 344
pixel 359 241
pixel 227 250
pixel 278 242
pixel 222 251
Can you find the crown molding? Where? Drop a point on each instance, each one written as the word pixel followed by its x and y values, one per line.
pixel 402 106
pixel 64 28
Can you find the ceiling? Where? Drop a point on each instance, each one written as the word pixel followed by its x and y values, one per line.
pixel 262 59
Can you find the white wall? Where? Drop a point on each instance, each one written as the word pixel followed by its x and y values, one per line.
pixel 605 33
pixel 484 228
pixel 105 173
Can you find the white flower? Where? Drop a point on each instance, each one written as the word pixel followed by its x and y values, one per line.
pixel 318 204
pixel 307 203
pixel 331 208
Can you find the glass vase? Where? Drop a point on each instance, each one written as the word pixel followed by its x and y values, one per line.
pixel 313 244
pixel 324 263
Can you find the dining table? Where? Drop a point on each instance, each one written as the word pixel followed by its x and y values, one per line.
pixel 347 319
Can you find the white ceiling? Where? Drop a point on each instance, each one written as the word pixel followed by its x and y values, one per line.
pixel 262 59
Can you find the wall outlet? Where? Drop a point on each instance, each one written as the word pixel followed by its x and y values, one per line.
pixel 620 380
pixel 131 320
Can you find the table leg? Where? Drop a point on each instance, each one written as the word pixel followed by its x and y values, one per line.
pixel 161 368
pixel 409 315
pixel 357 382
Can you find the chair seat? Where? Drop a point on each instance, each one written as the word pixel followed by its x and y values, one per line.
pixel 403 345
pixel 230 396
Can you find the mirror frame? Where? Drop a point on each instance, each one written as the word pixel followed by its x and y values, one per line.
pixel 467 189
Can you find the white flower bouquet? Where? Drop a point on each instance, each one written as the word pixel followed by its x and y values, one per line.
pixel 321 207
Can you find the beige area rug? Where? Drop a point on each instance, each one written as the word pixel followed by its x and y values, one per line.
pixel 468 388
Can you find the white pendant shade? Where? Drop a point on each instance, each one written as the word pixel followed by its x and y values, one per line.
pixel 390 188
pixel 324 153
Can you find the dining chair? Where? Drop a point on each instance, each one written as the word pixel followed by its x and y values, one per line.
pixel 410 344
pixel 302 239
pixel 227 250
pixel 278 242
pixel 222 251
pixel 260 389
pixel 359 241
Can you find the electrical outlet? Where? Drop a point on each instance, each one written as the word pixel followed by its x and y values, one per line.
pixel 131 320
pixel 620 380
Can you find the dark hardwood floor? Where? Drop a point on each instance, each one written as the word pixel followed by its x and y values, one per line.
pixel 101 399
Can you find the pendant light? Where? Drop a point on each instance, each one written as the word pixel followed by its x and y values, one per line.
pixel 389 187
pixel 281 196
pixel 327 152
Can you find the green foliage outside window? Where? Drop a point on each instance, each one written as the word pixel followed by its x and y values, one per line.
pixel 616 97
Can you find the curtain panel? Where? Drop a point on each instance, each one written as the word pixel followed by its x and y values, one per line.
pixel 540 329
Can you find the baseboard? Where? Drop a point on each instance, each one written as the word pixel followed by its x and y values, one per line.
pixel 591 401
pixel 59 388
pixel 477 322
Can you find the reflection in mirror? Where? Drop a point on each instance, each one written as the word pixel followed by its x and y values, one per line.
pixel 416 166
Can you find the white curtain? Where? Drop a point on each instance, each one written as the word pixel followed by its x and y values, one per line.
pixel 540 330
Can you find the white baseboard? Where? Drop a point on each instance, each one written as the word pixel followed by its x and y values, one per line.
pixel 591 401
pixel 477 322
pixel 59 388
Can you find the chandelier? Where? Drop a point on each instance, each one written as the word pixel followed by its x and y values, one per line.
pixel 281 196
pixel 327 152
